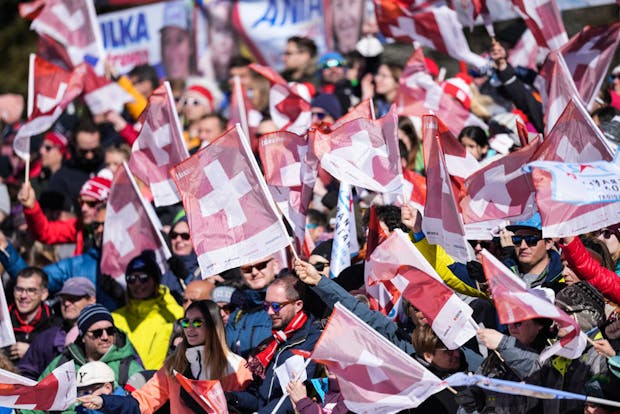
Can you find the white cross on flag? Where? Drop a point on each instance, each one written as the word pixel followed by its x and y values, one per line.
pixel 159 146
pixel 72 23
pixel 397 269
pixel 374 375
pixel 419 94
pixel 281 153
pixel 588 55
pixel 50 90
pixel 437 28
pixel 515 303
pixel 289 104
pixel 544 19
pixel 364 153
pixel 102 95
pixel 501 189
pixel 231 216
pixel 131 226
pixel 442 222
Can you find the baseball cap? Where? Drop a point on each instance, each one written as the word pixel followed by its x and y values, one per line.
pixel 78 286
pixel 95 372
pixel 533 222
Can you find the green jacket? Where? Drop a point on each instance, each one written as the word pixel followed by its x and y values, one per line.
pixel 122 358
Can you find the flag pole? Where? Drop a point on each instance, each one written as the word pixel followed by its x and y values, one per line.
pixel 30 108
pixel 285 395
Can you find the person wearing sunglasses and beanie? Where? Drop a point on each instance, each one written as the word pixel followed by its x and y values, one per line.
pixel 150 312
pixel 99 340
pixel 201 355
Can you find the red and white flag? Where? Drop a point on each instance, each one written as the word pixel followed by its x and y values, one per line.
pixel 102 95
pixel 515 303
pixel 241 111
pixel 588 56
pixel 364 153
pixel 437 28
pixel 525 52
pixel 159 146
pixel 419 94
pixel 207 393
pixel 72 23
pixel 544 19
pixel 396 269
pixel 442 221
pixel 363 109
pixel 56 392
pixel 415 186
pixel 131 226
pixel 289 104
pixel 50 90
pixel 374 375
pixel 501 189
pixel 232 218
pixel 281 154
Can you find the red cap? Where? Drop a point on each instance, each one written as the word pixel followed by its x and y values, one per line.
pixel 202 91
pixel 98 187
pixel 57 139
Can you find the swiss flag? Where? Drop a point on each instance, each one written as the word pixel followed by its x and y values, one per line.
pixel 289 104
pixel 209 394
pixel 131 226
pixel 525 52
pixel 241 111
pixel 364 153
pixel 544 19
pixel 374 375
pixel 415 186
pixel 281 154
pixel 232 218
pixel 363 109
pixel 159 146
pixel 442 222
pixel 50 90
pixel 56 392
pixel 515 303
pixel 102 95
pixel 72 23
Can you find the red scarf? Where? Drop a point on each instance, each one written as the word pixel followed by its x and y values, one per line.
pixel 258 363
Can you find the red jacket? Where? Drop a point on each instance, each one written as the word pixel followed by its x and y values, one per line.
pixel 605 280
pixel 54 232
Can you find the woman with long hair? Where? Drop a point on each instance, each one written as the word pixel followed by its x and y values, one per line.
pixel 202 355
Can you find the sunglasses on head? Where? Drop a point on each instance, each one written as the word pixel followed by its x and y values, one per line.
pixel 98 333
pixel 174 235
pixel 89 203
pixel 320 266
pixel 530 240
pixel 142 277
pixel 195 323
pixel 332 63
pixel 258 266
pixel 277 306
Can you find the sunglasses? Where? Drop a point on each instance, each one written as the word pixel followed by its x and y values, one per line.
pixel 89 203
pixel 142 277
pixel 47 147
pixel 83 152
pixel 277 306
pixel 174 235
pixel 320 266
pixel 320 115
pixel 616 76
pixel 96 224
pixel 98 333
pixel 606 233
pixel 194 102
pixel 485 244
pixel 196 323
pixel 72 298
pixel 258 266
pixel 531 240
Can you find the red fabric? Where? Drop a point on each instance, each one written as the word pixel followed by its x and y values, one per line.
pixel 584 265
pixel 129 134
pixel 53 232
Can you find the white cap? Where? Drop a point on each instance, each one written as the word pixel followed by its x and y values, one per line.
pixel 95 372
pixel 175 15
pixel 616 70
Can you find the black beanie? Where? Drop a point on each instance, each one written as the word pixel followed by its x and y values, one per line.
pixel 92 314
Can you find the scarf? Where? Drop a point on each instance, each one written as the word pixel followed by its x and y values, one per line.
pixel 258 363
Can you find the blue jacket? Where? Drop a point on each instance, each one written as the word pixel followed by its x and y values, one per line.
pixel 263 396
pixel 248 326
pixel 86 265
pixel 119 391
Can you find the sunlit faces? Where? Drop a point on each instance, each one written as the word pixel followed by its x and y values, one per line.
pixel 180 239
pixel 70 306
pixel 474 148
pixel 385 83
pixel 29 293
pixel 89 207
pixel 287 307
pixel 51 155
pixel 530 257
pixel 525 331
pixel 258 275
pixel 176 51
pixel 98 339
pixel 195 334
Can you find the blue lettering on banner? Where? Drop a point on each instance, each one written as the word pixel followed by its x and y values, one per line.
pixel 125 31
pixel 285 12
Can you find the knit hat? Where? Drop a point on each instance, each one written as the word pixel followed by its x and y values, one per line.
pixel 222 294
pixel 92 314
pixel 324 249
pixel 99 186
pixel 459 89
pixel 146 262
pixel 329 102
pixel 94 372
pixel 78 286
pixel 203 92
pixel 57 139
pixel 584 302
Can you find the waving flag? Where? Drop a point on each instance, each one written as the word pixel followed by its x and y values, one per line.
pixel 131 226
pixel 232 218
pixel 415 186
pixel 501 189
pixel 208 394
pixel 363 109
pixel 281 154
pixel 56 392
pixel 525 52
pixel 544 19
pixel 50 90
pixel 345 233
pixel 442 222
pixel 102 95
pixel 514 303
pixel 72 23
pixel 437 28
pixel 289 104
pixel 374 375
pixel 364 153
pixel 159 146
pixel 242 112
